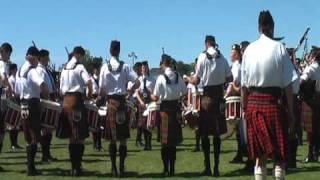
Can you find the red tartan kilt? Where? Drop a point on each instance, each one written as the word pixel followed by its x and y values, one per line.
pixel 142 121
pixel 266 127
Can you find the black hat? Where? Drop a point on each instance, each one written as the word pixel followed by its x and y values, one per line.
pixel 244 44
pixel 33 51
pixel 115 48
pixel 235 47
pixel 43 53
pixel 6 47
pixel 144 63
pixel 79 50
pixel 166 59
pixel 137 64
pixel 210 39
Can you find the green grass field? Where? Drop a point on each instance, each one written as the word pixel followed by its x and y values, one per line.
pixel 139 164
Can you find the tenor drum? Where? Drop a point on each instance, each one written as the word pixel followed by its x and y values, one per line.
pixel 12 115
pixel 92 116
pixel 50 113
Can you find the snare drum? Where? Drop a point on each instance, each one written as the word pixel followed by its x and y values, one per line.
pixel 92 116
pixel 152 113
pixel 12 114
pixel 233 108
pixel 233 115
pixel 50 113
pixel 192 118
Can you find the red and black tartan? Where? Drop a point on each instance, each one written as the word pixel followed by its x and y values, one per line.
pixel 266 127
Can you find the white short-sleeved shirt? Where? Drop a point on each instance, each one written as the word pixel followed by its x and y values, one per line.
pixel 73 77
pixel 236 71
pixel 192 88
pixel 12 82
pixel 150 82
pixel 266 63
pixel 4 71
pixel 114 82
pixel 47 77
pixel 312 72
pixel 172 91
pixel 29 81
pixel 212 72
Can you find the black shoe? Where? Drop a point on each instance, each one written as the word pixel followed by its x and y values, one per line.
pixel 196 149
pixel 113 156
pixel 18 147
pixel 14 149
pixel 206 172
pixel 34 172
pixel 216 171
pixel 309 159
pixel 236 160
pixel 139 144
pixel 123 154
pixel 165 174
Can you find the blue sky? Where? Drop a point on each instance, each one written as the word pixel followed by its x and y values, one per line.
pixel 144 26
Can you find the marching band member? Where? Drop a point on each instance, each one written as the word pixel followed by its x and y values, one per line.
pixel 249 164
pixel 74 78
pixel 114 77
pixel 138 71
pixel 234 90
pixel 168 89
pixel 5 52
pixel 266 71
pixel 96 136
pixel 312 73
pixel 47 76
pixel 143 94
pixel 31 86
pixel 213 71
pixel 15 130
pixel 294 140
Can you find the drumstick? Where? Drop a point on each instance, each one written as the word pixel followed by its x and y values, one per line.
pixel 67 50
pixel 34 44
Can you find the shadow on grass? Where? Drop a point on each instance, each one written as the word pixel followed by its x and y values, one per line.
pixel 13 157
pixel 128 174
pixel 304 169
pixel 65 172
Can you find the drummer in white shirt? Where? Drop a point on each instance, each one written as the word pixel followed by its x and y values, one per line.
pixel 234 90
pixel 47 76
pixel 31 86
pixel 14 131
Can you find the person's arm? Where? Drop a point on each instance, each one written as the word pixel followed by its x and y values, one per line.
pixel 44 90
pixel 89 86
pixel 140 100
pixel 244 98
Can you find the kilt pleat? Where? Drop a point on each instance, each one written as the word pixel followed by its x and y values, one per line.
pixel 266 127
pixel 68 127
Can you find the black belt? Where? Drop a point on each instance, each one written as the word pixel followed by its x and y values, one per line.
pixel 274 91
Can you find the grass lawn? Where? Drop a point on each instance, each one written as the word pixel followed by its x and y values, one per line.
pixel 139 164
